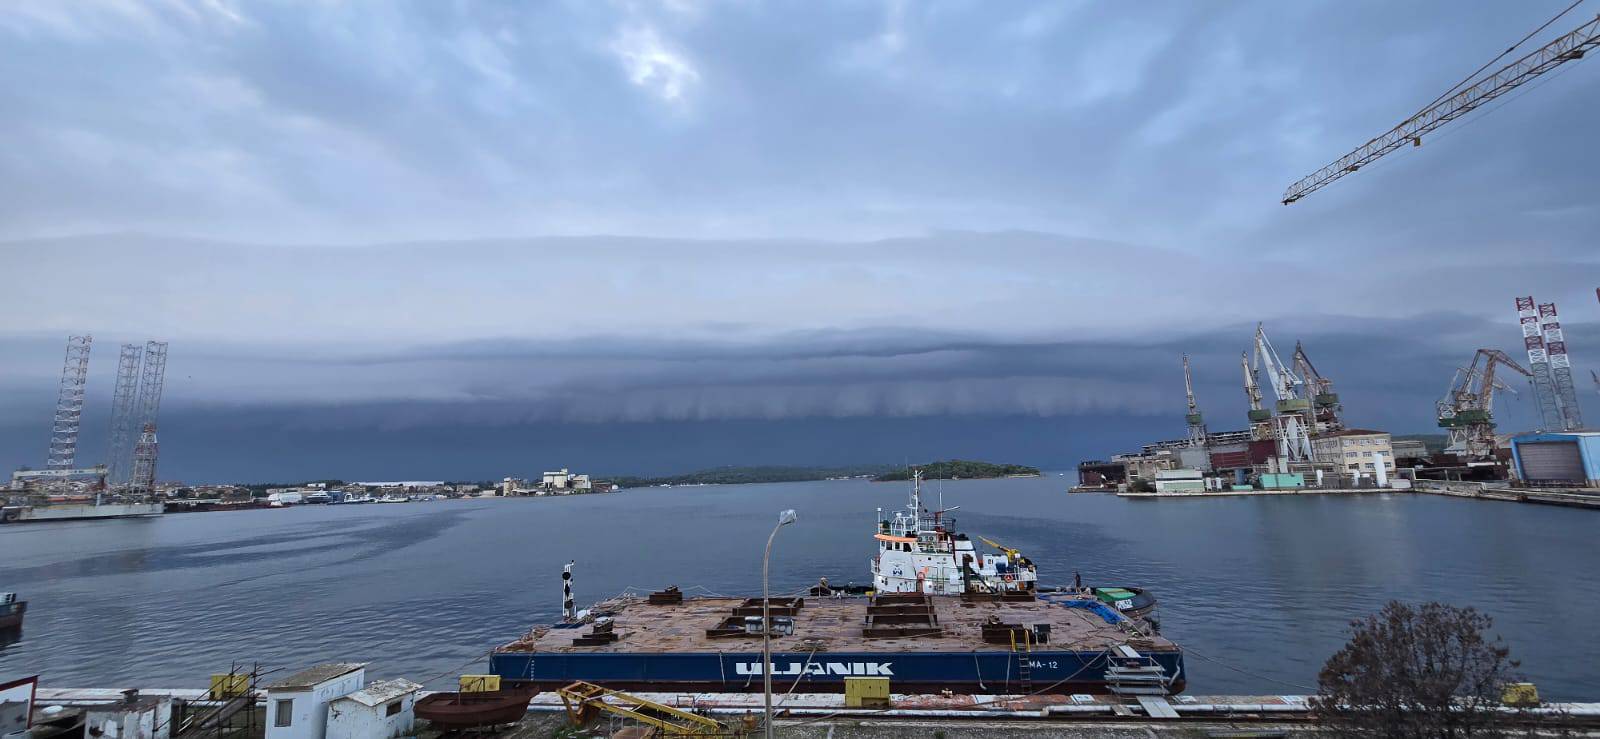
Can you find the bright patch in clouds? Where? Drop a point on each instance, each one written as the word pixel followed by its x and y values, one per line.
pixel 651 65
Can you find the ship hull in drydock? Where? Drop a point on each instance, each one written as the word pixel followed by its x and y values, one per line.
pixel 997 672
pixel 75 512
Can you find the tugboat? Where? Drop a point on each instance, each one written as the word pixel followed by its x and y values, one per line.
pixel 919 552
pixel 941 617
pixel 11 611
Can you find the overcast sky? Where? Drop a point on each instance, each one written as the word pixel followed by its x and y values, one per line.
pixel 473 239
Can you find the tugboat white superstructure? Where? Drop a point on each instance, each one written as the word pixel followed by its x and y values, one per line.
pixel 919 551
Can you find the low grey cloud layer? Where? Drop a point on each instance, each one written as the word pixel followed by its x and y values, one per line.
pixel 376 217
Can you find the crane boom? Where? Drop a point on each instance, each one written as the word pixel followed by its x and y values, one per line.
pixel 1284 380
pixel 1252 390
pixel 1196 422
pixel 1569 47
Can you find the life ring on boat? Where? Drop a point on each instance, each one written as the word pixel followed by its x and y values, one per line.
pixel 1008 578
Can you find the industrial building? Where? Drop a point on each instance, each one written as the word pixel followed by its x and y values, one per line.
pixel 1569 458
pixel 1355 451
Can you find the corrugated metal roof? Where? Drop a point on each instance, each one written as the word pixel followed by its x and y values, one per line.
pixel 382 692
pixel 316 675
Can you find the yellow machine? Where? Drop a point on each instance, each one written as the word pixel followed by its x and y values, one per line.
pixel 1011 554
pixel 869 692
pixel 480 683
pixel 585 701
pixel 230 685
pixel 1520 694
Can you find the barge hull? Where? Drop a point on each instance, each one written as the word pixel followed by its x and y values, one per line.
pixel 76 512
pixel 995 673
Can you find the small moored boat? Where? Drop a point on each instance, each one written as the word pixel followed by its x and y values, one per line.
pixel 456 710
pixel 11 611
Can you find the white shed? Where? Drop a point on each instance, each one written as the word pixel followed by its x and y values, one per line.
pixel 134 717
pixel 379 711
pixel 297 706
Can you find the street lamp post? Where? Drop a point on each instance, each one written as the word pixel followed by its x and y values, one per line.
pixel 784 519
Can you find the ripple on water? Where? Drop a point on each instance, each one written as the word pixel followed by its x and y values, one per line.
pixel 1263 587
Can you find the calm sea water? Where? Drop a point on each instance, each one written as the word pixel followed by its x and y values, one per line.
pixel 1259 590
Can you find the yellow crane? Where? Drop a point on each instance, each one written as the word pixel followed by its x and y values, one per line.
pixel 1011 554
pixel 585 701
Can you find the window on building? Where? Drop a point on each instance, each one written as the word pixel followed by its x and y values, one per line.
pixel 283 714
pixel 1355 467
pixel 1350 455
pixel 392 708
pixel 1366 466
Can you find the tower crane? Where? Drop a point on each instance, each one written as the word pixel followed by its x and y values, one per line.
pixel 1197 426
pixel 1465 97
pixel 1289 422
pixel 1466 413
pixel 1326 410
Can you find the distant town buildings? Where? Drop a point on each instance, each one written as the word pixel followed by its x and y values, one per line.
pixel 559 482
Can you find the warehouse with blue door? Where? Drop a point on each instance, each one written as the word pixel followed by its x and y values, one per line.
pixel 1564 458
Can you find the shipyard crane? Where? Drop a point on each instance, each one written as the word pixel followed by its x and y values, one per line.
pixel 1466 96
pixel 1197 426
pixel 1290 426
pixel 1326 410
pixel 1260 418
pixel 1467 413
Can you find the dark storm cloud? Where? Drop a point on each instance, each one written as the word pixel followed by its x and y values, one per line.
pixel 832 213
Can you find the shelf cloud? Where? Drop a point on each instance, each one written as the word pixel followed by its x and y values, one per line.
pixel 365 221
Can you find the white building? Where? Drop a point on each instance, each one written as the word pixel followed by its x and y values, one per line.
pixel 134 717
pixel 378 711
pixel 297 706
pixel 1180 481
pixel 1355 452
pixel 557 480
pixel 279 498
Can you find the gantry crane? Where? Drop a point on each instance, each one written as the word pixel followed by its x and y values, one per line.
pixel 1260 418
pixel 1197 426
pixel 1326 412
pixel 1467 413
pixel 1465 97
pixel 1291 421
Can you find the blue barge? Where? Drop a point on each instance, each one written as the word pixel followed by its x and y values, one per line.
pixel 942 615
pixel 1064 643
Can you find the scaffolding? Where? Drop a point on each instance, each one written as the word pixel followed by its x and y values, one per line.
pixel 231 710
pixel 152 376
pixel 69 404
pixel 119 460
